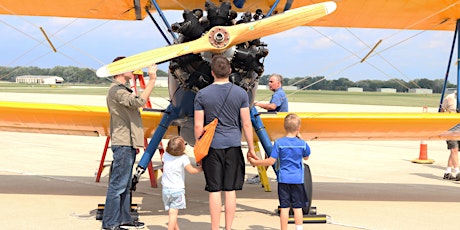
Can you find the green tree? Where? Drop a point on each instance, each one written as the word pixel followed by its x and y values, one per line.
pixel 73 75
pixel 424 83
pixel 264 79
pixel 160 73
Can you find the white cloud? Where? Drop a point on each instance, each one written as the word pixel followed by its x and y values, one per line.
pixel 321 43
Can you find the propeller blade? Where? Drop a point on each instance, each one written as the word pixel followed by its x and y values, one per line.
pixel 279 22
pixel 147 58
pixel 220 38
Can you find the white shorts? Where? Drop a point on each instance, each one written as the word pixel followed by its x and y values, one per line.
pixel 174 198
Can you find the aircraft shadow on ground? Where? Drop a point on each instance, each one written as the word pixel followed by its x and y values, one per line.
pixel 202 225
pixel 182 222
pixel 385 192
pixel 85 186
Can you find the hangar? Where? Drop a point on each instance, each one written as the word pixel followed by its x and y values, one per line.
pixel 39 79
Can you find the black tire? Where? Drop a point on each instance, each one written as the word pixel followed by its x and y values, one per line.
pixel 308 183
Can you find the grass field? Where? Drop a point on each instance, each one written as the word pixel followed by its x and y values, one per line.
pixel 338 97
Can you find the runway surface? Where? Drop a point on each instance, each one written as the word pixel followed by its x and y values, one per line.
pixel 48 182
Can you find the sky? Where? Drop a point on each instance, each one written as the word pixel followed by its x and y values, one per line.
pixel 300 52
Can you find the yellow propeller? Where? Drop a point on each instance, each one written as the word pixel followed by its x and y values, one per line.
pixel 220 38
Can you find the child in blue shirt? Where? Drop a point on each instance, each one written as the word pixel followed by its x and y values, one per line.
pixel 290 150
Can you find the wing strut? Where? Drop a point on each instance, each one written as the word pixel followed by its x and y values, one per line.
pixel 158 27
pixel 372 50
pixel 288 5
pixel 48 39
pixel 457 27
pixel 272 8
pixel 160 12
pixel 448 68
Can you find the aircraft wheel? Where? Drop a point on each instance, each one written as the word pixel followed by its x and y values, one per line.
pixel 308 183
pixel 312 211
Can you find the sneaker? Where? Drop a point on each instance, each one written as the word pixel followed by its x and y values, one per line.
pixel 449 176
pixel 254 180
pixel 134 224
pixel 457 178
pixel 115 228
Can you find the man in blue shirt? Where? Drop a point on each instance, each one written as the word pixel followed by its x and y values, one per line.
pixel 279 102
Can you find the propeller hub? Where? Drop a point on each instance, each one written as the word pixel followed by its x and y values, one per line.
pixel 219 37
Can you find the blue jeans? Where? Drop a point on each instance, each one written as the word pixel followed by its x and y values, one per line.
pixel 118 201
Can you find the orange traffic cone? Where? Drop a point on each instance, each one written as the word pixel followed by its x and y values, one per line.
pixel 423 156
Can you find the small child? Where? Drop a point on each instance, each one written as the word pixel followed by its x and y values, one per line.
pixel 291 190
pixel 174 162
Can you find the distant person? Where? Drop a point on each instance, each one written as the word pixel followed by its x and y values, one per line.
pixel 449 105
pixel 127 135
pixel 290 150
pixel 278 102
pixel 173 180
pixel 224 166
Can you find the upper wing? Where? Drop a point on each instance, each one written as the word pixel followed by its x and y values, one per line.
pixel 94 120
pixel 111 9
pixel 66 119
pixel 105 9
pixel 369 126
pixel 392 14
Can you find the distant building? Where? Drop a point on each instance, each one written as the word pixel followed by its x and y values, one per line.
pixel 287 87
pixel 290 87
pixel 449 91
pixel 38 79
pixel 159 81
pixel 386 90
pixel 355 89
pixel 421 91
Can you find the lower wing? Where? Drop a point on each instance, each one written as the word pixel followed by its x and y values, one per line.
pixel 94 121
pixel 369 126
pixel 66 119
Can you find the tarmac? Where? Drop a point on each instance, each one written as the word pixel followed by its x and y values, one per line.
pixel 48 182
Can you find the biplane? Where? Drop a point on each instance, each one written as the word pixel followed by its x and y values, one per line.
pixel 236 29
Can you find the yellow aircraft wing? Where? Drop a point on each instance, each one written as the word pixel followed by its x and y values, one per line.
pixel 94 121
pixel 394 14
pixel 389 14
pixel 66 119
pixel 105 9
pixel 369 126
